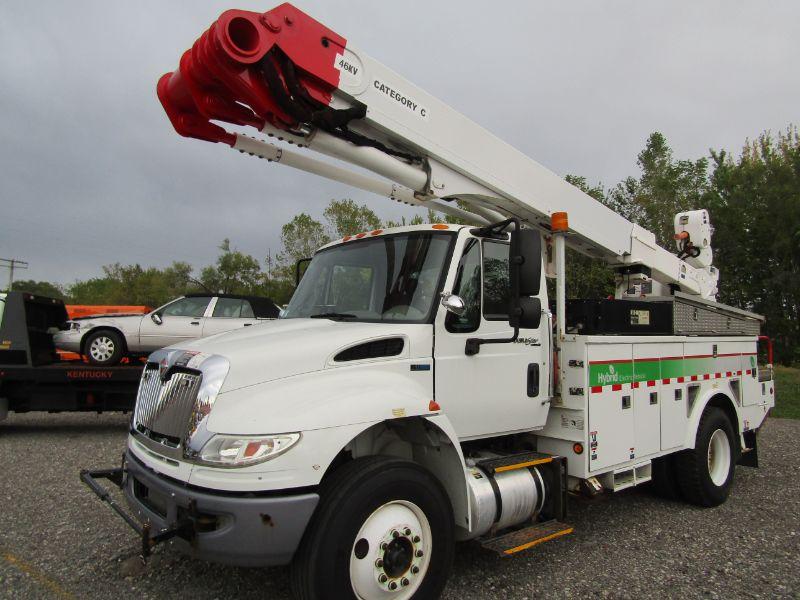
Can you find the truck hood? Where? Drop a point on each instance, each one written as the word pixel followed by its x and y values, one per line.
pixel 288 347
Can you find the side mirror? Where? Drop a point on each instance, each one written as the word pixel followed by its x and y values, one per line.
pixel 453 303
pixel 525 277
pixel 299 271
pixel 156 318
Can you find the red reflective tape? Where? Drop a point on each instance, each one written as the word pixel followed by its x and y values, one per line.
pixel 694 377
pixel 635 385
pixel 651 384
pixel 706 376
pixel 680 379
pixel 717 375
pixel 748 371
pixel 738 372
pixel 597 389
pixel 610 362
pixel 665 381
pixel 728 374
pixel 616 387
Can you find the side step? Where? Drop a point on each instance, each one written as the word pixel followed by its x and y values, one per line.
pixel 522 539
pixel 514 461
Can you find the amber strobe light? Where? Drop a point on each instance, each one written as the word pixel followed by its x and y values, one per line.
pixel 559 221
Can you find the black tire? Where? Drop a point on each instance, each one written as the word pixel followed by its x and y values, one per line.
pixel 321 566
pixel 665 481
pixel 692 466
pixel 104 348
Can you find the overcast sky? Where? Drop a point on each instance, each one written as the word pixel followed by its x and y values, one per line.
pixel 91 171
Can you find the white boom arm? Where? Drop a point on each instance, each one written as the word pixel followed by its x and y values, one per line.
pixel 292 78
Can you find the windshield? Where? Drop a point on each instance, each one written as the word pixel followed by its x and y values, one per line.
pixel 387 278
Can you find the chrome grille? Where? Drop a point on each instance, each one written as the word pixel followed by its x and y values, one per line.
pixel 163 408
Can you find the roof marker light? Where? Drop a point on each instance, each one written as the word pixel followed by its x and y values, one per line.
pixel 441 226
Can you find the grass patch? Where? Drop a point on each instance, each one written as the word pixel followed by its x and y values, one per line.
pixel 787 393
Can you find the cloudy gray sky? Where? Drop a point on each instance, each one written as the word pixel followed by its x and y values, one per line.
pixel 91 172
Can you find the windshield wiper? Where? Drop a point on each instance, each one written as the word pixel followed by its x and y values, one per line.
pixel 334 316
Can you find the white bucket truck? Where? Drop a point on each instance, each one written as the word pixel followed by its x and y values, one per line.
pixel 419 388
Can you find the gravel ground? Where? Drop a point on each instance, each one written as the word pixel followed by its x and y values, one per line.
pixel 57 540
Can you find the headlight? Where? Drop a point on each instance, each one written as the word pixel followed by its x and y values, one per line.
pixel 242 451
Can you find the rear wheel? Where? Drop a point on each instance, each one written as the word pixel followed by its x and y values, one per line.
pixel 705 474
pixel 104 348
pixel 383 529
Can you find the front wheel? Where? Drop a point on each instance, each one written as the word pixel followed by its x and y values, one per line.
pixel 383 529
pixel 705 474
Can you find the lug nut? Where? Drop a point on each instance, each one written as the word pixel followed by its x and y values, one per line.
pixel 415 569
pixel 384 545
pixel 383 578
pixel 417 539
pixel 393 585
pixel 407 531
pixel 419 553
pixel 395 533
pixel 404 582
pixel 379 563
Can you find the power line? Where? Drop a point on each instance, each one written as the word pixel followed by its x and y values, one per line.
pixel 11 264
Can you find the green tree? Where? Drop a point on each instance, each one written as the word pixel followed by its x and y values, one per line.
pixel 754 202
pixel 234 272
pixel 345 217
pixel 39 288
pixel 665 187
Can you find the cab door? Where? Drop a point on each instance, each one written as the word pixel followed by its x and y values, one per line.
pixel 180 320
pixel 502 387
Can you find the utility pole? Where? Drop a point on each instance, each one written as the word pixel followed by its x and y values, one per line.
pixel 12 263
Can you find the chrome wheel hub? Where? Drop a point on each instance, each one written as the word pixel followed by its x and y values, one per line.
pixel 102 348
pixel 719 457
pixel 391 553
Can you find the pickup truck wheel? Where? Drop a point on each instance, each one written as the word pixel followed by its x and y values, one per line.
pixel 104 348
pixel 383 529
pixel 705 474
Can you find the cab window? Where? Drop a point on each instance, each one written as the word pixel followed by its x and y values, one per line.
pixel 468 286
pixel 495 281
pixel 194 306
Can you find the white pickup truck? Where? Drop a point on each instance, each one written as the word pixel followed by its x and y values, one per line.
pixel 106 339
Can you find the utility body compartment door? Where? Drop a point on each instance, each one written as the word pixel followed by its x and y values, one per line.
pixel 611 415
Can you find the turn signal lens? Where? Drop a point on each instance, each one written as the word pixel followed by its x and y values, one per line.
pixel 242 451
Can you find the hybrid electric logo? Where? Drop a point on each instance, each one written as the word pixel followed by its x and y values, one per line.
pixel 610 377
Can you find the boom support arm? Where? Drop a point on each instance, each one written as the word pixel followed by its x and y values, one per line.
pixel 292 78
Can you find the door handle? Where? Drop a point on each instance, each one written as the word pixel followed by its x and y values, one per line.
pixel 533 380
pixel 195 323
pixel 247 324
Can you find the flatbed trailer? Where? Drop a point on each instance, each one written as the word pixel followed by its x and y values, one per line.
pixel 34 378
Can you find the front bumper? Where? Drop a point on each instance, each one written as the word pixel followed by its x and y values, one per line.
pixel 237 529
pixel 68 340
